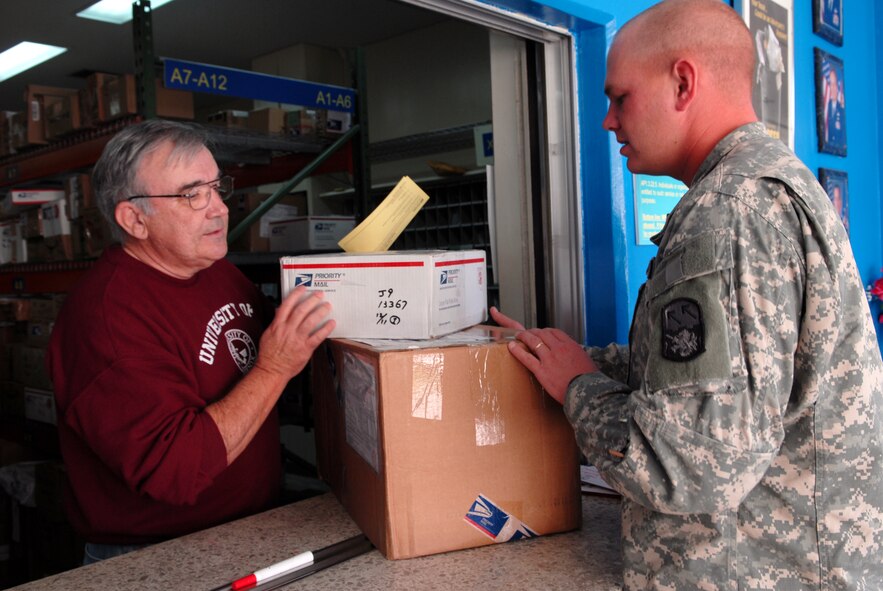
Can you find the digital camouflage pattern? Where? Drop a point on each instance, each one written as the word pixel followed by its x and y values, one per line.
pixel 758 463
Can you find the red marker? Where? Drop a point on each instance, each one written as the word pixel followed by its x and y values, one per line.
pixel 288 565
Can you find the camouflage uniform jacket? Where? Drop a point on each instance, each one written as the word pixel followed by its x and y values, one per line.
pixel 744 424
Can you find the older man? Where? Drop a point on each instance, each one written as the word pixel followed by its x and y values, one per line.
pixel 165 377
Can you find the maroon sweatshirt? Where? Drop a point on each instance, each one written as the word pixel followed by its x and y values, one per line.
pixel 135 357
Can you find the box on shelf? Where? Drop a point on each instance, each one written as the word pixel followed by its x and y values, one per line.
pixel 92 99
pixel 78 194
pixel 395 295
pixel 442 448
pixel 120 99
pixel 18 131
pixel 36 97
pixel 256 237
pixel 29 366
pixel 93 233
pixel 62 115
pixel 10 241
pixel 54 219
pixel 40 405
pixel 35 196
pixel 309 233
pixel 268 120
pixel 230 119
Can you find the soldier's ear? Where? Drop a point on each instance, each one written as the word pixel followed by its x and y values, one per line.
pixel 686 76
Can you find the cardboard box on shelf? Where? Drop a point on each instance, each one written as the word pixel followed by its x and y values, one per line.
pixel 257 236
pixel 229 119
pixel 395 295
pixel 29 366
pixel 54 219
pixel 40 405
pixel 10 241
pixel 443 448
pixel 92 99
pixel 36 97
pixel 18 131
pixel 309 233
pixel 78 194
pixel 268 120
pixel 120 99
pixel 35 195
pixel 62 115
pixel 94 234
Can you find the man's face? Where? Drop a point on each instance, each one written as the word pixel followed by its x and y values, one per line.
pixel 182 241
pixel 641 111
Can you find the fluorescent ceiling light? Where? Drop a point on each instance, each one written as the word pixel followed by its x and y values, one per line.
pixel 25 56
pixel 115 11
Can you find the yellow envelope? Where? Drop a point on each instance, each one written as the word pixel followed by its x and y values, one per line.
pixel 379 230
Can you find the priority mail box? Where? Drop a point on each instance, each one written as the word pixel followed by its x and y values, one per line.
pixel 309 233
pixel 395 295
pixel 35 196
pixel 443 448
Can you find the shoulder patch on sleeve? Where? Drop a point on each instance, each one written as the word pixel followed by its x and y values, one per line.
pixel 683 331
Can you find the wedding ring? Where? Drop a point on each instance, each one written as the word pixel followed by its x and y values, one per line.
pixel 537 348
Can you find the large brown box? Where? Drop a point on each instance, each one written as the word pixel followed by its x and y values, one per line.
pixel 61 115
pixel 443 448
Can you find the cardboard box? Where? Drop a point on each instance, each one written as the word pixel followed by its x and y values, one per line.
pixel 256 238
pixel 40 405
pixel 229 119
pixel 92 99
pixel 120 99
pixel 54 219
pixel 309 233
pixel 29 367
pixel 94 234
pixel 10 241
pixel 78 194
pixel 62 115
pixel 35 196
pixel 268 120
pixel 443 448
pixel 395 295
pixel 35 98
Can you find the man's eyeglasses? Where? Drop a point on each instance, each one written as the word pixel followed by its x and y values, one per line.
pixel 199 196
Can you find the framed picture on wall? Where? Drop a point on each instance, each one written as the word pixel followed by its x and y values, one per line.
pixel 836 185
pixel 771 26
pixel 827 20
pixel 830 103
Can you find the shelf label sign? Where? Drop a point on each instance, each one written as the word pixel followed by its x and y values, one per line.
pixel 196 77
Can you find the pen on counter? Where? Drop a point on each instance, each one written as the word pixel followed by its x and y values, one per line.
pixel 301 565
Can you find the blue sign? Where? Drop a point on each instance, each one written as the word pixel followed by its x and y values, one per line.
pixel 196 77
pixel 655 197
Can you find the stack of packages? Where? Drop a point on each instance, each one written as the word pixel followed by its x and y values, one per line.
pixel 432 436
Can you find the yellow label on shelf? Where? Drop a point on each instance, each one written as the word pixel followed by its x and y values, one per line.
pixel 379 230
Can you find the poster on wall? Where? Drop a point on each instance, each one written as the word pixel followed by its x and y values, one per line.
pixel 836 184
pixel 830 103
pixel 827 20
pixel 770 23
pixel 655 197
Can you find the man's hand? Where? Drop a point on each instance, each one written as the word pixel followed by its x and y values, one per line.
pixel 504 320
pixel 300 325
pixel 549 354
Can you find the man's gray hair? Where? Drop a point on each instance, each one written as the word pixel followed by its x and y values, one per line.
pixel 115 175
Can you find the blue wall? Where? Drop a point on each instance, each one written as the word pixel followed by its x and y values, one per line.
pixel 615 264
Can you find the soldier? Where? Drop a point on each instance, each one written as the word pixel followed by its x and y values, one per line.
pixel 742 424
